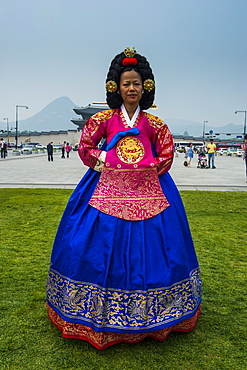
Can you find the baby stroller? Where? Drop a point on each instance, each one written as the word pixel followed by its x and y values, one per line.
pixel 202 160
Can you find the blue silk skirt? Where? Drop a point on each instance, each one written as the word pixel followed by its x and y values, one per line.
pixel 120 276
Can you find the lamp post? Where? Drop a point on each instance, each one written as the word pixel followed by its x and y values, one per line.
pixel 6 119
pixel 203 130
pixel 16 122
pixel 243 111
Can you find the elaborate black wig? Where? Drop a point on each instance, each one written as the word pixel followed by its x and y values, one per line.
pixel 114 99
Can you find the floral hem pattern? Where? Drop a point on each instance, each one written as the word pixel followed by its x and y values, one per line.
pixel 104 340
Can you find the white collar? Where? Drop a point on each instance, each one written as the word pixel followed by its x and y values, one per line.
pixel 129 121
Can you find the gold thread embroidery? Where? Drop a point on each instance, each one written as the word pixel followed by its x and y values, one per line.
pixel 124 121
pixel 102 340
pixel 154 121
pixel 165 140
pixel 129 194
pixel 94 122
pixel 123 309
pixel 130 150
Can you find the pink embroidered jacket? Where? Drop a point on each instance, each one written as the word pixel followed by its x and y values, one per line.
pixel 129 186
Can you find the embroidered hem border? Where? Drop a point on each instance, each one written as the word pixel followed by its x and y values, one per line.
pixel 104 340
pixel 122 309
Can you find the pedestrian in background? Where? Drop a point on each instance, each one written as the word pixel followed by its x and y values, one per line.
pixel 63 149
pixel 190 154
pixel 245 154
pixel 3 148
pixel 50 151
pixel 211 152
pixel 68 149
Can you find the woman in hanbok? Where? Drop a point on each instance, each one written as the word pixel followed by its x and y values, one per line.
pixel 123 265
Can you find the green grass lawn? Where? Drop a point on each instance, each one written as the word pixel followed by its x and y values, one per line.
pixel 28 223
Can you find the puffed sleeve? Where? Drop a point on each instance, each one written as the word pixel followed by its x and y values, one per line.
pixel 93 132
pixel 164 147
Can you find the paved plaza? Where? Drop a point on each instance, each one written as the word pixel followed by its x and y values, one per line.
pixel 34 171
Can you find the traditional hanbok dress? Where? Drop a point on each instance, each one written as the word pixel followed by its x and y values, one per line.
pixel 123 265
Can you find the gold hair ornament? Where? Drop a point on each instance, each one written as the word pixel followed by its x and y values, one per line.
pixel 111 86
pixel 148 85
pixel 129 53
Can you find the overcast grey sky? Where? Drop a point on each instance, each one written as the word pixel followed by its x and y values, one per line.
pixel 197 50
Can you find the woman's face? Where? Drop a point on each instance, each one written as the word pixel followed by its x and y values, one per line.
pixel 130 87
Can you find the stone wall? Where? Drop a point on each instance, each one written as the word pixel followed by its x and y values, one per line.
pixel 57 137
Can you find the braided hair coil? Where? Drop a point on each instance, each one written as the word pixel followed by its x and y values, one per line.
pixel 114 99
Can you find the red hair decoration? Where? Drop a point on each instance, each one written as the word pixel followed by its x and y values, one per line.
pixel 129 62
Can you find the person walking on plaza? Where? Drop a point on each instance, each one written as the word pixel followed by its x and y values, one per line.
pixel 68 149
pixel 190 154
pixel 3 148
pixel 50 151
pixel 245 154
pixel 211 153
pixel 63 149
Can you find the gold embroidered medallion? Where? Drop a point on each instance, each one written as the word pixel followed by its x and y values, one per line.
pixel 130 150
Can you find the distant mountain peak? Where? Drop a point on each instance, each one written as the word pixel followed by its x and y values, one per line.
pixel 54 116
pixel 63 100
